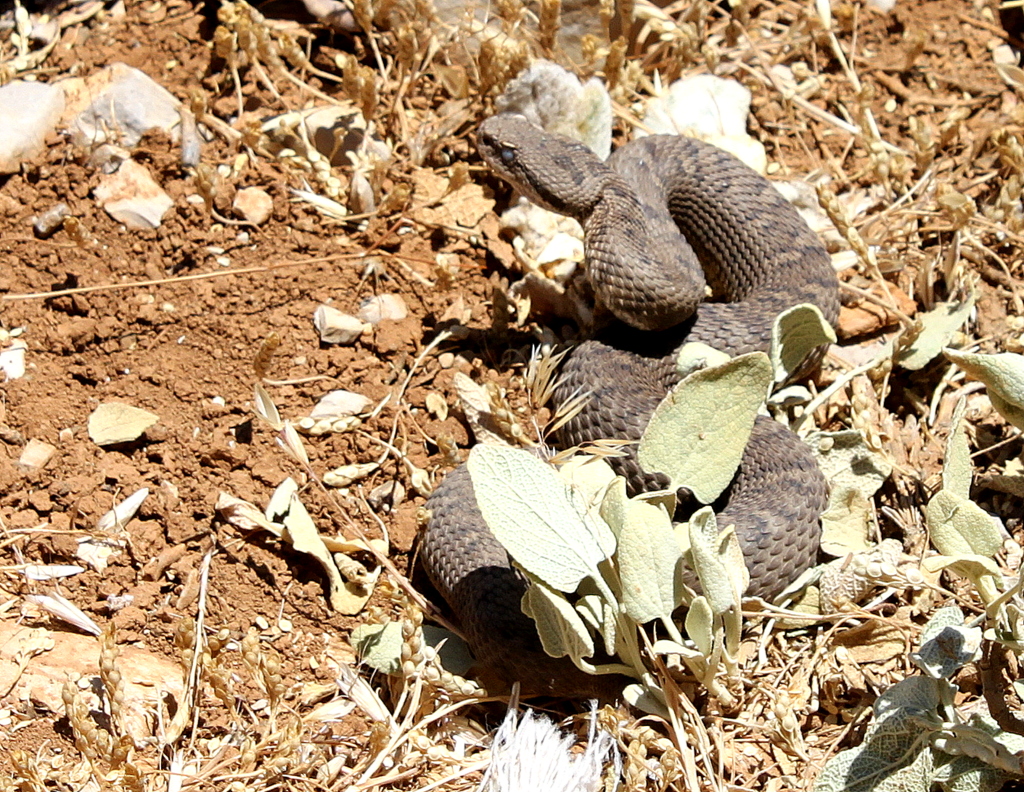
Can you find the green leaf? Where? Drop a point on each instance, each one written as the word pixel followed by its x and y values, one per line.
pixel 648 555
pixel 981 570
pixel 646 698
pixel 959 526
pixel 796 332
pixel 949 616
pixel 562 631
pixel 536 518
pixel 957 471
pixel 700 625
pixel 718 562
pixel 699 431
pixel 1002 374
pixel 379 645
pixel 938 326
pixel 599 617
pixel 896 761
pixel 944 654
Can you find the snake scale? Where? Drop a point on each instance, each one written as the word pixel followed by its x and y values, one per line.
pixel 663 217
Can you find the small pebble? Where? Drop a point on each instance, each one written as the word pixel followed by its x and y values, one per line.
pixel 49 221
pixel 36 454
pixel 384 306
pixel 336 327
pixel 446 360
pixel 253 204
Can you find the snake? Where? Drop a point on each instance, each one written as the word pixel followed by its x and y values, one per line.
pixel 666 220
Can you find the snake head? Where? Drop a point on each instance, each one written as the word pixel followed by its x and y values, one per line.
pixel 551 170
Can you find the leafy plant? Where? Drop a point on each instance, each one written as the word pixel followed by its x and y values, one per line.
pixel 621 558
pixel 919 737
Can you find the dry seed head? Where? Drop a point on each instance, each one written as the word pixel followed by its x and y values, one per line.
pixel 110 674
pixel 120 751
pixel 501 58
pixel 250 650
pixel 510 11
pixel 548 24
pixel 949 130
pixel 220 680
pixel 185 640
pixel 396 199
pixel 956 207
pixel 1010 149
pixel 407 46
pixel 131 778
pixel 273 682
pixel 924 142
pixel 26 767
pixel 216 644
pixel 614 62
pixel 590 46
pixel 261 363
pixel 225 45
pixel 86 732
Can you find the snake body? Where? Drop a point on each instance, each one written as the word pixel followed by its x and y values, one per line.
pixel 664 216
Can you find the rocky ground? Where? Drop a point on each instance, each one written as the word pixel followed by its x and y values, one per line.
pixel 186 269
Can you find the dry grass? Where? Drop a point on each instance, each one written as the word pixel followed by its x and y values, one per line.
pixel 947 209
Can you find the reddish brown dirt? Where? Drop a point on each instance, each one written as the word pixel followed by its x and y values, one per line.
pixel 184 350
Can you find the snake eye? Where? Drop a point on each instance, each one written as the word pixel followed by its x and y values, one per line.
pixel 507 154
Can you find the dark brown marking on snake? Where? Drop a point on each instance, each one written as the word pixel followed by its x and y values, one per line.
pixel 664 214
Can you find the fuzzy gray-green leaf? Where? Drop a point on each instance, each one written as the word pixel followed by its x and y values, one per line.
pixel 648 555
pixel 530 511
pixel 699 431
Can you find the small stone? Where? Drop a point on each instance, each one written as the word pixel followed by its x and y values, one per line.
pixel 339 404
pixel 12 359
pixel 119 423
pixel 120 102
pixel 36 454
pixel 336 327
pixel 47 223
pixel 30 111
pixel 446 360
pixel 132 197
pixel 253 204
pixel 384 306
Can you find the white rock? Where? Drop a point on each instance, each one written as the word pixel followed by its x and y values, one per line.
pixel 336 327
pixel 118 423
pixel 383 306
pixel 30 111
pixel 12 359
pixel 555 100
pixel 132 197
pixel 253 204
pixel 340 403
pixel 36 454
pixel 710 108
pixel 118 104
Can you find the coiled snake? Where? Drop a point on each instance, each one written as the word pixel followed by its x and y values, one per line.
pixel 664 216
